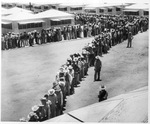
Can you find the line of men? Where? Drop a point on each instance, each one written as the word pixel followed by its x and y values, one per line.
pixel 90 25
pixel 69 76
pixel 76 68
pixel 13 40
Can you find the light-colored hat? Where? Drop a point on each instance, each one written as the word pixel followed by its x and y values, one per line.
pixel 57 88
pixel 35 108
pixel 90 45
pixel 22 119
pixel 30 114
pixel 43 99
pixel 61 68
pixel 51 91
pixel 97 57
pixel 62 83
pixel 70 67
pixel 40 105
pixel 102 87
pixel 69 59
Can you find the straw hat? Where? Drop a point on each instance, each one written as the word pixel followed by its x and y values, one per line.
pixel 43 99
pixel 70 67
pixel 35 108
pixel 61 68
pixel 57 88
pixel 30 115
pixel 51 91
pixel 22 119
pixel 102 87
pixel 40 105
pixel 97 57
pixel 62 83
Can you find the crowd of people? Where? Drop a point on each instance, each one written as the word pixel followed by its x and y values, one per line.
pixel 107 30
pixel 74 70
pixel 69 76
pixel 86 25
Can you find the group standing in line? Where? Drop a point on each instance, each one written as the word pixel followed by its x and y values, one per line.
pixel 76 67
pixel 86 25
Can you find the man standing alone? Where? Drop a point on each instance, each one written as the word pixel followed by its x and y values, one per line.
pixel 97 68
pixel 130 37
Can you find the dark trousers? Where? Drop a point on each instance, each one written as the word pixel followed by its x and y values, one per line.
pixel 97 75
pixel 72 86
pixel 31 42
pixel 129 44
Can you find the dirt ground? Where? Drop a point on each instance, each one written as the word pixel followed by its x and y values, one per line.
pixel 123 70
pixel 28 73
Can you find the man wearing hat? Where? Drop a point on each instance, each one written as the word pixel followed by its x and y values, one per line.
pixel 130 37
pixel 102 93
pixel 76 73
pixel 10 41
pixel 46 108
pixel 35 109
pixel 42 111
pixel 60 74
pixel 97 68
pixel 32 117
pixel 59 94
pixel 53 98
pixel 71 77
pixel 22 119
pixel 67 83
pixel 63 89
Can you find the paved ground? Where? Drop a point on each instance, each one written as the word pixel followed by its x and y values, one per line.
pixel 28 73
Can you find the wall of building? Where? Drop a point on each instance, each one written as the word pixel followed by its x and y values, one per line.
pixel 45 25
pixel 5 31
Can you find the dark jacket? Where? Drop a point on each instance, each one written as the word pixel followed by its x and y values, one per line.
pixel 97 64
pixel 102 95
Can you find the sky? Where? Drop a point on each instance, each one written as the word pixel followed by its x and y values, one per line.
pixel 77 1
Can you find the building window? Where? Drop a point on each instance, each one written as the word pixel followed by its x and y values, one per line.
pixel 19 6
pixel 29 25
pixel 54 7
pixel 53 23
pixel 109 10
pixel 37 7
pixel 27 7
pixel 3 5
pixel 131 13
pixel 90 11
pixel 45 7
pixel 118 9
pixel 75 9
pixel 146 12
pixel 101 10
pixel 7 26
pixel 62 9
pixel 9 6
